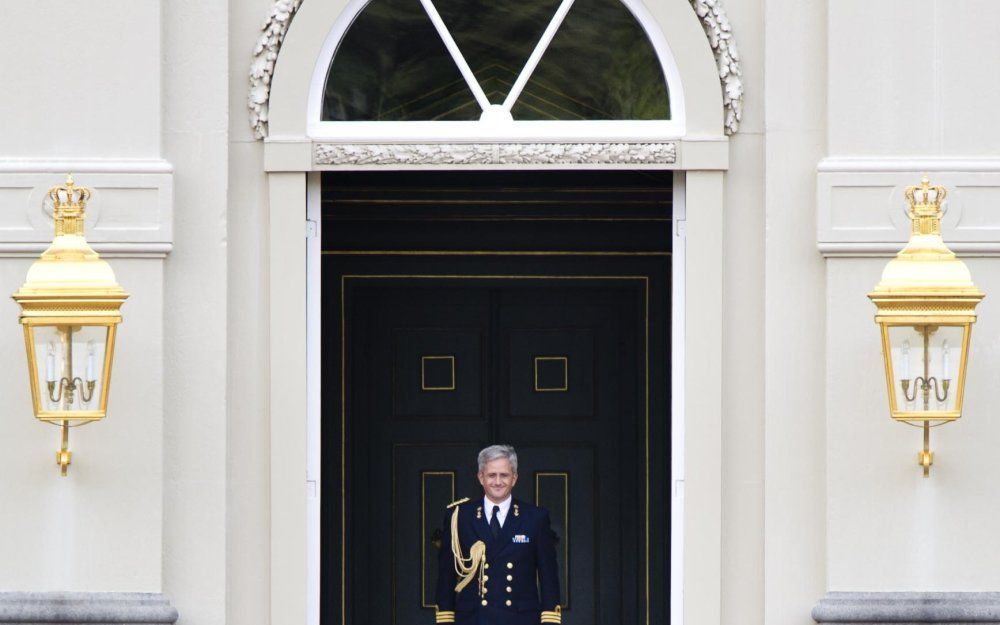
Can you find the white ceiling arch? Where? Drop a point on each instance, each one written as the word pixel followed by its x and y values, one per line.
pixel 286 104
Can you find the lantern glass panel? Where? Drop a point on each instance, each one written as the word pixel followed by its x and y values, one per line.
pixel 70 365
pixel 926 361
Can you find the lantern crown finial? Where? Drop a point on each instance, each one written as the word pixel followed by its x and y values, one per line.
pixel 69 203
pixel 69 266
pixel 925 207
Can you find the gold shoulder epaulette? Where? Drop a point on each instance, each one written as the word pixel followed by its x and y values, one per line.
pixel 458 502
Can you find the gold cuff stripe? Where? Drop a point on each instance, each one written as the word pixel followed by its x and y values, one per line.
pixel 444 617
pixel 552 616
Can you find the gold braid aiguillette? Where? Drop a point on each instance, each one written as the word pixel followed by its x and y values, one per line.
pixel 466 568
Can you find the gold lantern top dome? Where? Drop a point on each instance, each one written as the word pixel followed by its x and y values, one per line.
pixel 70 270
pixel 926 276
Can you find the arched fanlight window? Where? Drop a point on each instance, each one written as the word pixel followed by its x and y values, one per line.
pixel 495 60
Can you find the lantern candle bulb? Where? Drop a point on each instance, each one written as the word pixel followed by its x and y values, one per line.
pixel 905 356
pixel 90 361
pixel 50 364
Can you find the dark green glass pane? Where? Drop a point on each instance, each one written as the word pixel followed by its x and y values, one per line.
pixel 392 66
pixel 496 37
pixel 600 65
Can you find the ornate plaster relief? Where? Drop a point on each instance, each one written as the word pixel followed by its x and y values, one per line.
pixel 664 153
pixel 711 12
pixel 720 36
pixel 265 53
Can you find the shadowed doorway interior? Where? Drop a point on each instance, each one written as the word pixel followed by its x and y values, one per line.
pixel 462 309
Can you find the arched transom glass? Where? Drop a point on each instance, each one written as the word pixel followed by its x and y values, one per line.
pixel 495 62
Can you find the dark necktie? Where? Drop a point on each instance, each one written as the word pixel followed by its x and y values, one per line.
pixel 495 522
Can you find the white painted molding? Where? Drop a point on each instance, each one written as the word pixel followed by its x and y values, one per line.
pixel 129 213
pixel 265 54
pixel 106 250
pixel 517 154
pixel 727 57
pixel 84 166
pixel 862 164
pixel 861 209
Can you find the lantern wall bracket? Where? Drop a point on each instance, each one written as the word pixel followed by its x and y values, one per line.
pixel 64 456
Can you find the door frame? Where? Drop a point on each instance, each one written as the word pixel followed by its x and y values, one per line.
pixel 313 294
pixel 697 491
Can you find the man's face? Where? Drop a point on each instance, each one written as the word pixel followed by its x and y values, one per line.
pixel 498 479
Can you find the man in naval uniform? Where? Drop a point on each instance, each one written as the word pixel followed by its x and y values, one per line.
pixel 495 549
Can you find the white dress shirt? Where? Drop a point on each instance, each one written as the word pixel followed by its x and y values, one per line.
pixel 501 515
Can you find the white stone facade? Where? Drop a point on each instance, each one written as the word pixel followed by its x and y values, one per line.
pixel 798 483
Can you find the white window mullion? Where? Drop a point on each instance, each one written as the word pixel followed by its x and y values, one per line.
pixel 536 54
pixel 456 54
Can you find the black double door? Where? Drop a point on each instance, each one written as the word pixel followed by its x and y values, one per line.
pixel 440 355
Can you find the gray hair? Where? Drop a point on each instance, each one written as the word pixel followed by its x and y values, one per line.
pixel 496 452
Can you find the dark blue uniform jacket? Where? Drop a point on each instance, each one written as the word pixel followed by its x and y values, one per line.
pixel 523 552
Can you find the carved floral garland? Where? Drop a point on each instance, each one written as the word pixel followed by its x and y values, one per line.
pixel 720 36
pixel 713 19
pixel 265 53
pixel 664 153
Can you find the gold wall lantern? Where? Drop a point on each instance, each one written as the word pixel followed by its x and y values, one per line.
pixel 70 309
pixel 926 305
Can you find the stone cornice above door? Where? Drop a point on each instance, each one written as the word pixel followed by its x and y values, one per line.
pixel 508 154
pixel 305 155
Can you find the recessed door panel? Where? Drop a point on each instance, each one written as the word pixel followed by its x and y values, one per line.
pixel 551 372
pixel 437 372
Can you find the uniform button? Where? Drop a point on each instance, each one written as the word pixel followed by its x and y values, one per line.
pixel 510 578
pixel 508 602
pixel 486 578
pixel 486 565
pixel 508 589
pixel 510 565
pixel 485 590
pixel 485 601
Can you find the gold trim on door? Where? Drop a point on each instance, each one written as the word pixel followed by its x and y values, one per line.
pixel 423 373
pixel 565 480
pixel 423 530
pixel 561 389
pixel 484 253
